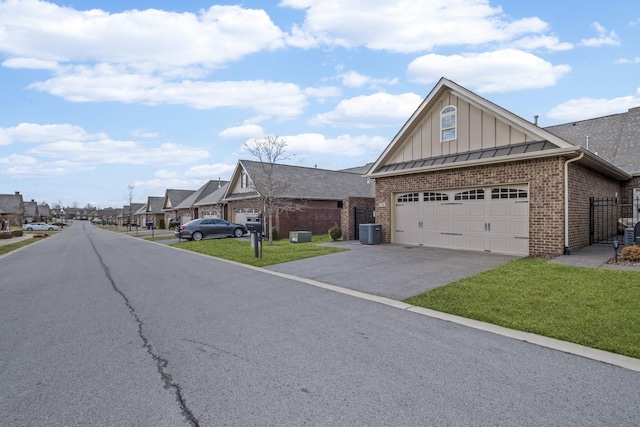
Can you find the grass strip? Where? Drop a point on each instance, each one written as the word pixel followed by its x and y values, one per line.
pixel 596 308
pixel 241 250
pixel 5 249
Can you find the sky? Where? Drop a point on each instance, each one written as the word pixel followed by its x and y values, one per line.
pixel 98 96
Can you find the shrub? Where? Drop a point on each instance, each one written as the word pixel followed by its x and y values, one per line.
pixel 274 234
pixel 162 225
pixel 335 232
pixel 16 233
pixel 5 235
pixel 631 253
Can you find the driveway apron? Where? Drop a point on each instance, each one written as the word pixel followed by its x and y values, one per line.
pixel 392 271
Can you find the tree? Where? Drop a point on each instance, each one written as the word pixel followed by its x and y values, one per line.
pixel 272 190
pixel 130 189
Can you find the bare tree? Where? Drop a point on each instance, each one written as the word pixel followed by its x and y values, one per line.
pixel 272 190
pixel 130 189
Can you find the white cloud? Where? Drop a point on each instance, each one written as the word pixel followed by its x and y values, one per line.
pixel 498 71
pixel 587 108
pixel 550 43
pixel 377 110
pixel 31 63
pixel 353 79
pixel 141 133
pixel 635 60
pixel 31 169
pixel 210 38
pixel 214 171
pixel 165 174
pixel 242 132
pixel 115 83
pixel 603 39
pixel 343 145
pixel 18 160
pixel 405 25
pixel 35 133
pixel 109 151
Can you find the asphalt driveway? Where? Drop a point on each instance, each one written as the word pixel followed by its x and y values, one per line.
pixel 392 271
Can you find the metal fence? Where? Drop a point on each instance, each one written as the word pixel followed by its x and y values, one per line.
pixel 609 217
pixel 362 216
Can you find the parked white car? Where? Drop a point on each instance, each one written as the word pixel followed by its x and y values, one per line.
pixel 39 226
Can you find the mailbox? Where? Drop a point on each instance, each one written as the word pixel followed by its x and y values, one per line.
pixel 254 226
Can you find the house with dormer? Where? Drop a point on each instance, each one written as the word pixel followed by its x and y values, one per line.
pixel 465 173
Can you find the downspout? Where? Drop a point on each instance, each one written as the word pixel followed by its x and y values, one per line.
pixel 566 202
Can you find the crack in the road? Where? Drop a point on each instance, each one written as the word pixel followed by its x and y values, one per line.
pixel 161 363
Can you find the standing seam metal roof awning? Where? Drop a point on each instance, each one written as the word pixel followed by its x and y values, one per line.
pixel 487 153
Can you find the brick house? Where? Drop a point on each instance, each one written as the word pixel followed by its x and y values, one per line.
pixel 464 173
pixel 314 198
pixel 31 213
pixel 170 203
pixel 203 202
pixel 12 208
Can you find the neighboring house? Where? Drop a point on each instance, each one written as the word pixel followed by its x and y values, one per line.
pixel 170 203
pixel 153 212
pixel 129 214
pixel 190 207
pixel 31 213
pixel 315 196
pixel 12 208
pixel 44 212
pixel 464 173
pixel 213 205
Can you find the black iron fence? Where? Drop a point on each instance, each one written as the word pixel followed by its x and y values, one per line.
pixel 609 217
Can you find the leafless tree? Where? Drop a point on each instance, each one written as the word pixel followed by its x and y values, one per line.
pixel 272 189
pixel 130 193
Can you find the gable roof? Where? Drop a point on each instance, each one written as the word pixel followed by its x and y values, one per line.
pixel 615 138
pixel 299 182
pixel 30 208
pixel 215 197
pixel 541 142
pixel 11 204
pixel 206 190
pixel 172 198
pixel 154 204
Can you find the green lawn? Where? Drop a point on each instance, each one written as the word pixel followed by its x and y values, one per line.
pixel 5 249
pixel 241 250
pixel 593 307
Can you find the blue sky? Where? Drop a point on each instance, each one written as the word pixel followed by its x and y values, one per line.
pixel 97 96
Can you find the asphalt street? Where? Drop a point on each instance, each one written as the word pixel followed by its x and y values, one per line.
pixel 102 329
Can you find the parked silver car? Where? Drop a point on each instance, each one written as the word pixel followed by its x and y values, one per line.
pixel 198 229
pixel 39 226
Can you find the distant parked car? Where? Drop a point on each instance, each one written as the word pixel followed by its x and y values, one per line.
pixel 60 224
pixel 205 227
pixel 40 226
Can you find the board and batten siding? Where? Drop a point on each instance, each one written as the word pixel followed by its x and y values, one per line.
pixel 476 130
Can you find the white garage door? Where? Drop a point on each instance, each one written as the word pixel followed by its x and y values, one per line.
pixel 491 219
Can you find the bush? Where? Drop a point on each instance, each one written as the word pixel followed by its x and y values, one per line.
pixel 162 225
pixel 335 232
pixel 5 235
pixel 16 233
pixel 274 234
pixel 631 253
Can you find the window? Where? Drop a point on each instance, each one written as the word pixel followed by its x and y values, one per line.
pixel 434 197
pixel 411 197
pixel 244 180
pixel 470 195
pixel 448 123
pixel 508 193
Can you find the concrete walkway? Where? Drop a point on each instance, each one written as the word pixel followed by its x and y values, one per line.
pixel 594 256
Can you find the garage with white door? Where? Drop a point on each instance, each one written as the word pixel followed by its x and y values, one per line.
pixel 490 219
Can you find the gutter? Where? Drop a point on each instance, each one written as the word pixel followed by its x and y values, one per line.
pixel 566 202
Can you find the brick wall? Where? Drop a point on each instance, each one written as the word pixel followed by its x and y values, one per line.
pixel 585 183
pixel 347 221
pixel 316 216
pixel 546 195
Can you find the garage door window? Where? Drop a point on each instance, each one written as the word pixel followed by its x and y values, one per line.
pixel 411 197
pixel 435 197
pixel 470 195
pixel 509 193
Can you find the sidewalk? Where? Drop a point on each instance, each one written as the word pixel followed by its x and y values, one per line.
pixel 15 239
pixel 594 256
